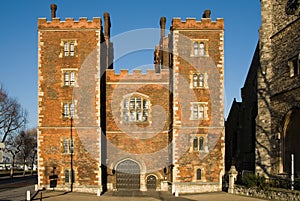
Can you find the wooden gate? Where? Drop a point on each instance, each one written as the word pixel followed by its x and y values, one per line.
pixel 128 175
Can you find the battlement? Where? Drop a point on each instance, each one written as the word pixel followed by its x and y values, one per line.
pixel 137 76
pixel 192 23
pixel 69 23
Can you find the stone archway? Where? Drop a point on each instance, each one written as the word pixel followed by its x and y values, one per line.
pixel 291 140
pixel 128 175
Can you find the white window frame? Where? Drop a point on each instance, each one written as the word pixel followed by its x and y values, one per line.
pixel 69 109
pixel 69 77
pixel 199 111
pixel 68 146
pixel 135 108
pixel 199 48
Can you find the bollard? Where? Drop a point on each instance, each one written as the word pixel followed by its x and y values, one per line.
pixel 232 177
pixel 36 187
pixel 176 193
pixel 98 192
pixel 28 195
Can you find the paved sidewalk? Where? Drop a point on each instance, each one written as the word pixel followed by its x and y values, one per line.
pixel 140 196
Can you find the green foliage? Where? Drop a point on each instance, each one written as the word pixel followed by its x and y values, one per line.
pixel 297 183
pixel 252 180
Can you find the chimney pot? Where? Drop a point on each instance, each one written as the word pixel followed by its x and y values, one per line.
pixel 53 10
pixel 206 14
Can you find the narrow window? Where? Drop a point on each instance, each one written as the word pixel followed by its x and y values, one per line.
pixel 66 110
pixel 201 143
pixel 67 176
pixel 201 49
pixel 201 80
pixel 296 66
pixel 66 49
pixel 72 48
pixel 72 146
pixel 72 78
pixel 198 174
pixel 195 144
pixel 195 80
pixel 195 111
pixel 72 110
pixel 196 49
pixel 66 146
pixel 66 78
pixel 201 112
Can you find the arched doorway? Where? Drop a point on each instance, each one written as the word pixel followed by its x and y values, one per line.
pixel 291 141
pixel 128 175
pixel 151 182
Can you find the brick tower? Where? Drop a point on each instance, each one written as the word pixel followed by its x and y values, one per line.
pixel 69 143
pixel 197 88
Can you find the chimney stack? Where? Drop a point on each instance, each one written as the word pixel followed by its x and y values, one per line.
pixel 162 27
pixel 107 25
pixel 206 14
pixel 53 10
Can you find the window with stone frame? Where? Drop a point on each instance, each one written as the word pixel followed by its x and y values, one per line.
pixel 68 109
pixel 135 108
pixel 68 146
pixel 69 176
pixel 294 65
pixel 69 48
pixel 198 80
pixel 200 143
pixel 199 111
pixel 199 48
pixel 69 78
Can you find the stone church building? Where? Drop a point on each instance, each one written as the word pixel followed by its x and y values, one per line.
pixel 100 130
pixel 264 128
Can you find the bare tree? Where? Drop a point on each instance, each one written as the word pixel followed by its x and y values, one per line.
pixel 12 116
pixel 12 147
pixel 27 154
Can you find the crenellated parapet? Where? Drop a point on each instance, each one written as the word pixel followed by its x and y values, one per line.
pixel 70 23
pixel 192 23
pixel 137 76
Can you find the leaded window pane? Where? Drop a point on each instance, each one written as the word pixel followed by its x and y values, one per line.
pixel 195 143
pixel 67 176
pixel 195 80
pixel 66 110
pixel 196 49
pixel 201 143
pixel 72 78
pixel 66 49
pixel 72 109
pixel 72 146
pixel 202 50
pixel 201 80
pixel 66 146
pixel 195 111
pixel 72 48
pixel 66 78
pixel 201 112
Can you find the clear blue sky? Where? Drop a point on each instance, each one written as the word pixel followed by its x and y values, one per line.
pixel 18 36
